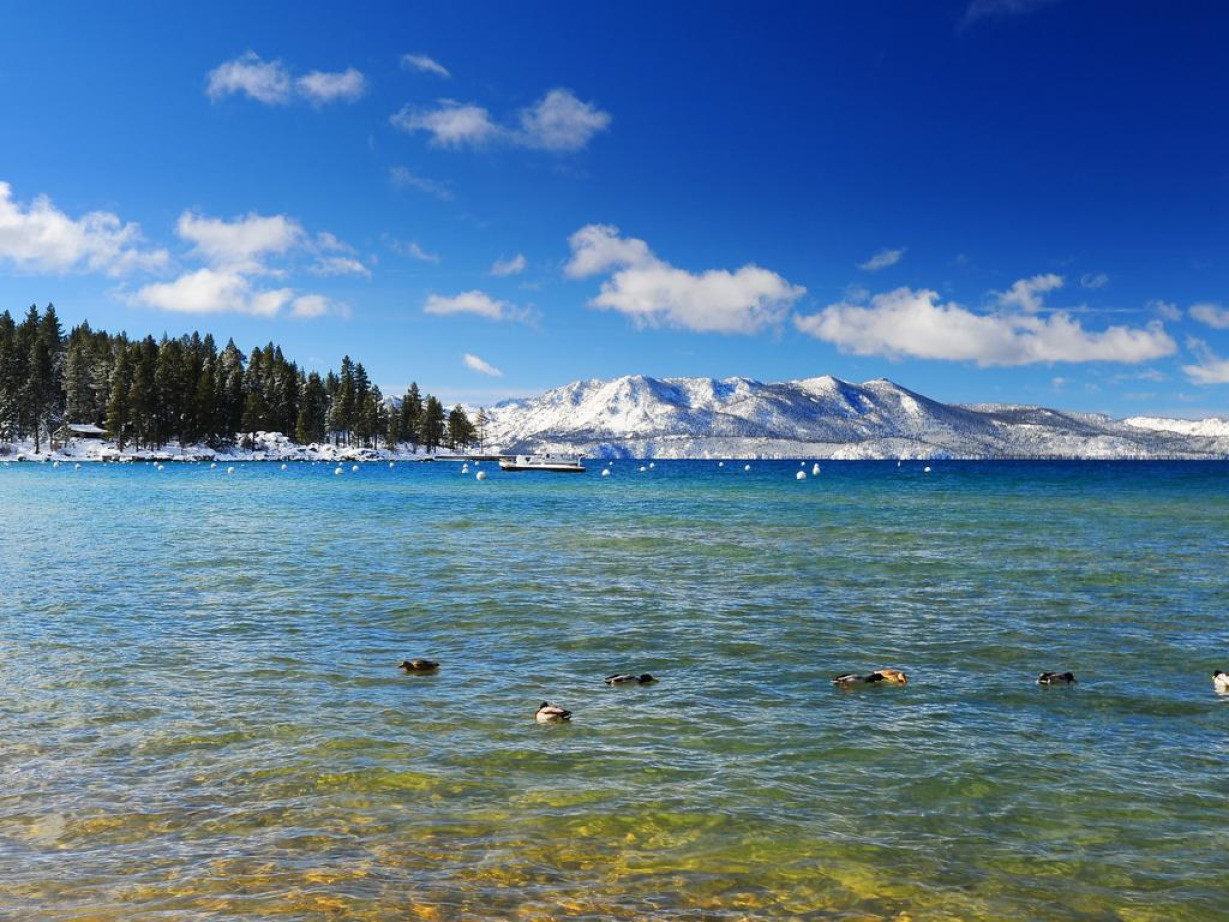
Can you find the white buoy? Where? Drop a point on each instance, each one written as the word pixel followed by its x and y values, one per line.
pixel 481 475
pixel 55 465
pixel 464 468
pixel 212 466
pixel 161 468
pixel 283 467
pixel 815 470
pixel 643 468
pixel 721 464
pixel 354 467
pixel 76 467
pixel 606 472
pixel 338 472
pixel 390 463
pixel 925 470
pixel 477 463
pixel 746 467
pixel 652 464
pixel 801 475
pixel 802 464
pixel 230 470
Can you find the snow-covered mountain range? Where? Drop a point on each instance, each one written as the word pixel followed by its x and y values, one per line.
pixel 638 416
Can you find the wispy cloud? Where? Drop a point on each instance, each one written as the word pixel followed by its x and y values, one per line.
pixel 414 251
pixel 914 324
pixel 558 122
pixel 270 82
pixel 1210 368
pixel 427 65
pixel 1094 280
pixel 654 293
pixel 988 9
pixel 513 266
pixel 882 260
pixel 478 365
pixel 39 237
pixel 1026 294
pixel 478 303
pixel 1212 315
pixel 405 178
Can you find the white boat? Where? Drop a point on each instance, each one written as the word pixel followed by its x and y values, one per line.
pixel 557 463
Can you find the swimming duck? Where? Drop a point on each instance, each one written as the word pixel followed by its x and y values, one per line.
pixel 548 713
pixel 1220 681
pixel 418 665
pixel 643 679
pixel 878 677
pixel 1056 678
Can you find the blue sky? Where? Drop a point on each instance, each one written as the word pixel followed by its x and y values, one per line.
pixel 996 200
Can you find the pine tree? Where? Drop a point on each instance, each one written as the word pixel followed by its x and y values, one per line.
pixel 311 425
pixel 432 424
pixel 119 409
pixel 411 416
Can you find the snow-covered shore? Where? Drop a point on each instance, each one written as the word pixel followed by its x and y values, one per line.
pixel 267 446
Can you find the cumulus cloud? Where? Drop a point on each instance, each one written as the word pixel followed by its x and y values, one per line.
pixel 908 323
pixel 453 124
pixel 513 266
pixel 264 81
pixel 561 122
pixel 1211 368
pixel 241 244
pixel 1094 280
pixel 558 122
pixel 41 238
pixel 1213 315
pixel 1026 294
pixel 270 82
pixel 405 178
pixel 653 293
pixel 421 62
pixel 478 303
pixel 211 291
pixel 321 87
pixel 478 365
pixel 882 260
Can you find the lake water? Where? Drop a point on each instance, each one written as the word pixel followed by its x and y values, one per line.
pixel 201 715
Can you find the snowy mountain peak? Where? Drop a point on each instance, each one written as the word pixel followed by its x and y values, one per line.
pixel 824 417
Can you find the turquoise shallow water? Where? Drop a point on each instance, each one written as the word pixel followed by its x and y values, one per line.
pixel 202 719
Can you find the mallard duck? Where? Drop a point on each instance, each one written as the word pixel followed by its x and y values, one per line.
pixel 418 665
pixel 1220 681
pixel 548 713
pixel 643 679
pixel 1056 678
pixel 878 677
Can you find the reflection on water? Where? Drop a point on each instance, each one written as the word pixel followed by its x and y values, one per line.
pixel 203 719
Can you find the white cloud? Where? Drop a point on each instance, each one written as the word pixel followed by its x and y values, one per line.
pixel 41 238
pixel 597 248
pixel 882 260
pixel 1213 315
pixel 476 302
pixel 405 178
pixel 654 293
pixel 414 251
pixel 1026 294
pixel 241 244
pixel 307 307
pixel 264 81
pixel 513 266
pixel 421 62
pixel 1211 369
pixel 211 291
pixel 340 265
pixel 270 82
pixel 321 87
pixel 1094 280
pixel 561 122
pixel 557 122
pixel 472 361
pixel 1167 309
pixel 453 124
pixel 908 323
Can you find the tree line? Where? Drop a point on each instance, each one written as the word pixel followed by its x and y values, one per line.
pixel 147 393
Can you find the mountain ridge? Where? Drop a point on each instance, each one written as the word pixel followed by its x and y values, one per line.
pixel 821 417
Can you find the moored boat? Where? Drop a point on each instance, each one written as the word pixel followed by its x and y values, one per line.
pixel 557 463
